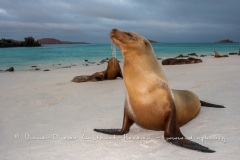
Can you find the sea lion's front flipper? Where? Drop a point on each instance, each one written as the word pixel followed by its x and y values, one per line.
pixel 120 74
pixel 110 131
pixel 172 134
pixel 127 122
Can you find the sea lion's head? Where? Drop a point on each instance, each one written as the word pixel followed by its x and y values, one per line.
pixel 130 42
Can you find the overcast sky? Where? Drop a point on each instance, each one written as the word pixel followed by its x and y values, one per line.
pixel 92 20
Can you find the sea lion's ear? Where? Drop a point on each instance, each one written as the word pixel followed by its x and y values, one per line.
pixel 146 43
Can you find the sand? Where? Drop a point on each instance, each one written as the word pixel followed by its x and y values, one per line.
pixel 45 116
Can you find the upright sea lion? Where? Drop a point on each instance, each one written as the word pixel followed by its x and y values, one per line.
pixel 150 103
pixel 112 72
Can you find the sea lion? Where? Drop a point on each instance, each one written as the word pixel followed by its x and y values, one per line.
pixel 150 103
pixel 217 55
pixel 112 72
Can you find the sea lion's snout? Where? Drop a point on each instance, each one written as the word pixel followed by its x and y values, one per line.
pixel 116 36
pixel 114 32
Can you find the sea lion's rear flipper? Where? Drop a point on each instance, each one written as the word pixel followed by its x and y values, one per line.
pixel 206 104
pixel 120 74
pixel 172 134
pixel 183 142
pixel 127 123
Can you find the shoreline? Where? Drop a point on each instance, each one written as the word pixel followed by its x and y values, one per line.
pixel 56 66
pixel 44 57
pixel 85 63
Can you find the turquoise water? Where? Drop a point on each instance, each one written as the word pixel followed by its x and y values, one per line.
pixel 69 54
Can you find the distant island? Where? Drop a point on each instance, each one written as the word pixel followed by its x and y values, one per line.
pixel 28 42
pixel 225 41
pixel 56 41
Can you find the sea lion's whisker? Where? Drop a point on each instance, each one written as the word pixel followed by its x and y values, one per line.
pixel 113 46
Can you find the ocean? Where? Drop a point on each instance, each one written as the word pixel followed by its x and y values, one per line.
pixel 69 55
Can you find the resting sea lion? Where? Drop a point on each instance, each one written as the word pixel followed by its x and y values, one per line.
pixel 150 103
pixel 217 55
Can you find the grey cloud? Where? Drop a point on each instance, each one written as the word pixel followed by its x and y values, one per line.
pixel 91 20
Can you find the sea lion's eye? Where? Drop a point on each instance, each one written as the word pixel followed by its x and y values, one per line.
pixel 130 36
pixel 146 43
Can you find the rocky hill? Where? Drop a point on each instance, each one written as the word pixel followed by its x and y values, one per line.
pixel 28 42
pixel 56 41
pixel 225 41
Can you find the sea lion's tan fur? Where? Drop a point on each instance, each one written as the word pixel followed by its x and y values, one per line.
pixel 149 101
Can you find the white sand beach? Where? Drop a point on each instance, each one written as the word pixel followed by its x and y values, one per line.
pixel 43 115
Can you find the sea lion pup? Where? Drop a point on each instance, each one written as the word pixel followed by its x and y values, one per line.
pixel 112 72
pixel 150 103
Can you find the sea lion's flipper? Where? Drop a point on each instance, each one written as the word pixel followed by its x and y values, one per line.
pixel 182 142
pixel 110 131
pixel 127 123
pixel 172 134
pixel 206 104
pixel 120 74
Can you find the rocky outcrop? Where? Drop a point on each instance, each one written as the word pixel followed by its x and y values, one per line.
pixel 225 41
pixel 193 54
pixel 176 61
pixel 233 53
pixel 11 69
pixel 104 61
pixel 181 56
